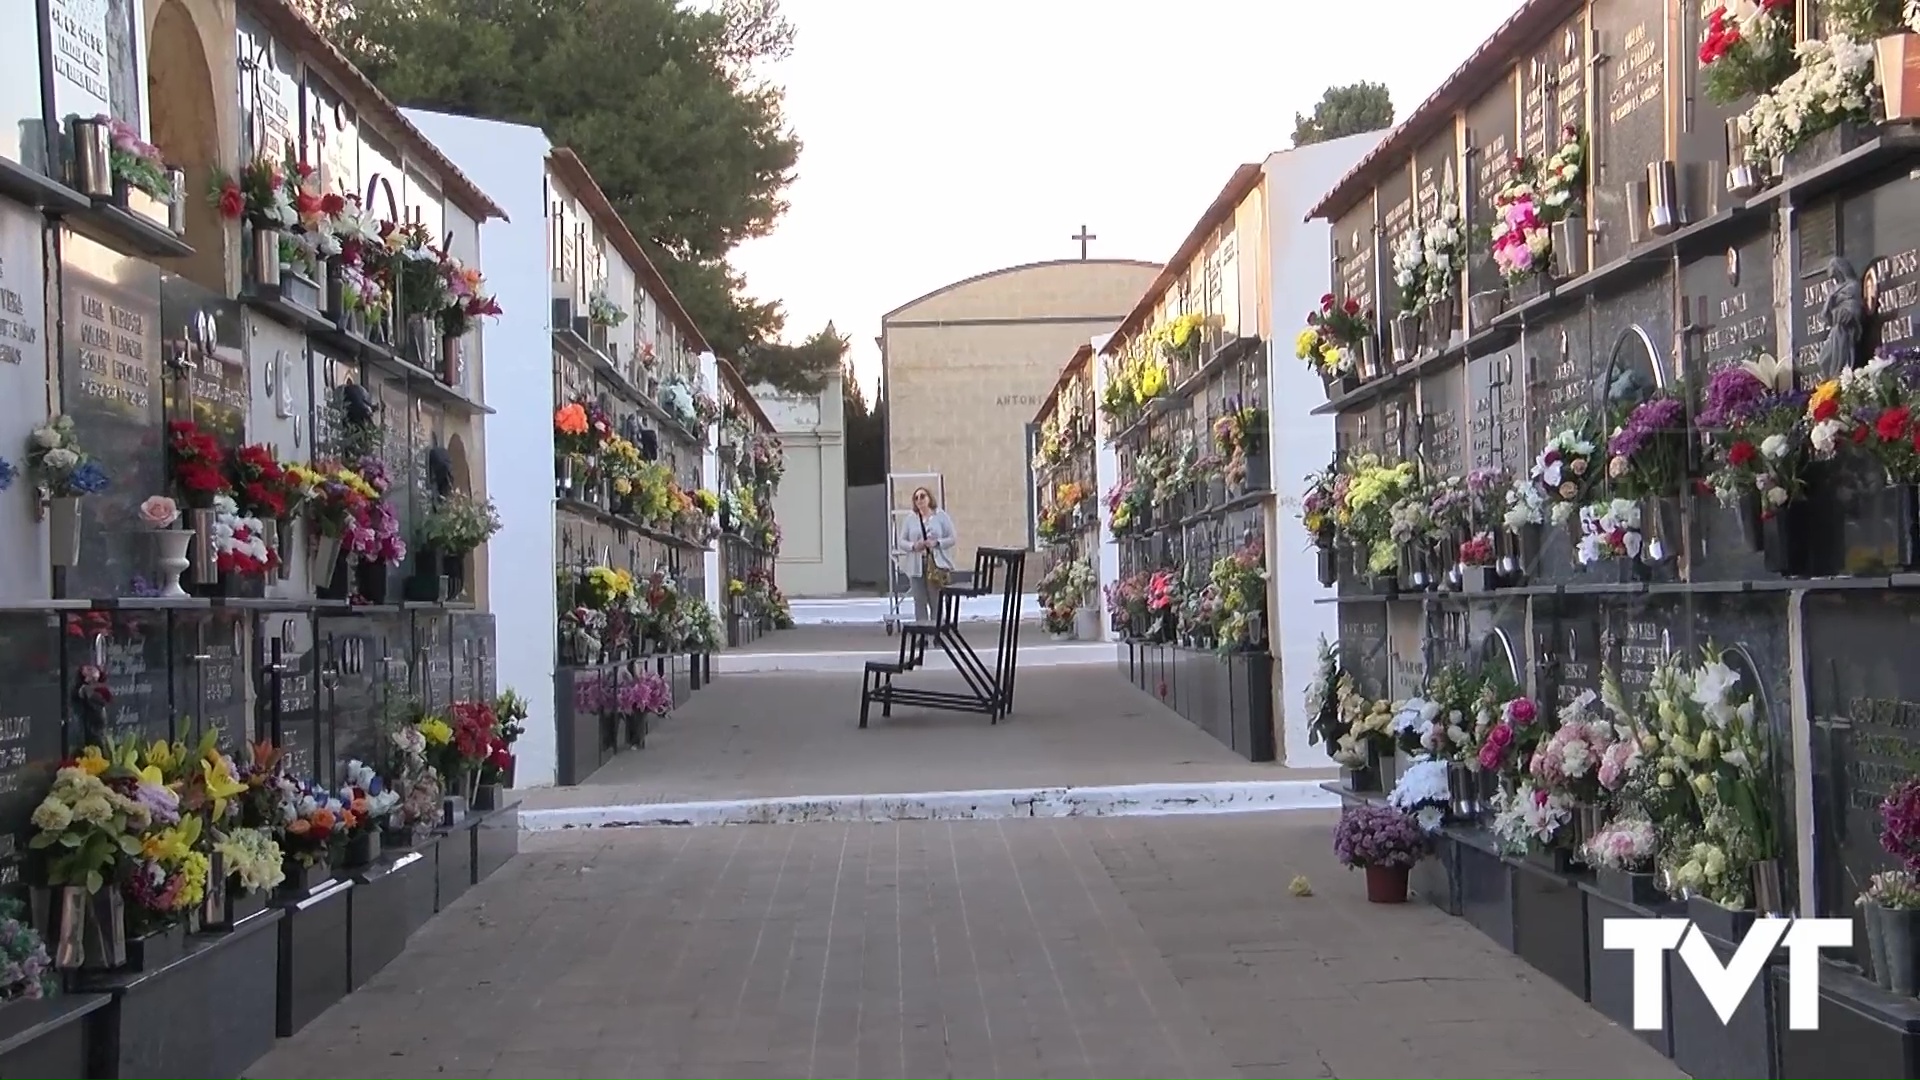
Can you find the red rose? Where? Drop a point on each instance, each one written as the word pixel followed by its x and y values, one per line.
pixel 331 204
pixel 1892 425
pixel 1353 306
pixel 1860 434
pixel 1826 409
pixel 1326 301
pixel 232 204
pixel 1740 453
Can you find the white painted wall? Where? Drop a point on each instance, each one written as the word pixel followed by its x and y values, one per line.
pixel 811 505
pixel 1106 473
pixel 508 161
pixel 709 468
pixel 24 390
pixel 1301 442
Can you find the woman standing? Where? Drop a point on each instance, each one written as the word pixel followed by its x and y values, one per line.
pixel 923 549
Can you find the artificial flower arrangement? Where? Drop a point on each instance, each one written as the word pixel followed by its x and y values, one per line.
pixel 468 300
pixel 1373 489
pixel 59 466
pixel 1536 196
pixel 1528 815
pixel 1557 485
pixel 1708 785
pixel 1238 431
pixel 134 161
pixel 1872 409
pixel 1610 529
pixel 411 748
pixel 26 971
pixel 1066 586
pixel 1629 845
pixel 601 310
pixel 367 798
pixel 336 496
pixel 1369 727
pixel 198 464
pixel 263 487
pixel 1834 85
pixel 1335 339
pixel 373 532
pixel 1647 454
pixel 1487 491
pixel 1748 48
pixel 1324 722
pixel 1508 744
pixel 647 694
pixel 1569 761
pixel 1897 889
pixel 257 194
pixel 239 540
pixel 1239 581
pixel 458 523
pixel 676 397
pixel 1128 502
pixel 766 460
pixel 1427 260
pixel 419 271
pixel 1182 335
pixel 1423 792
pixel 1325 491
pixel 706 409
pixel 1757 432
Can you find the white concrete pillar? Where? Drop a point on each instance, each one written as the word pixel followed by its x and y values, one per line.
pixel 1106 473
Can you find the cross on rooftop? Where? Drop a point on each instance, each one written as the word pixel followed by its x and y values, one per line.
pixel 1083 236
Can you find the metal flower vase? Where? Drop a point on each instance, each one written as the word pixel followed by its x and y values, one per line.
pixel 203 562
pixel 1664 212
pixel 1769 888
pixel 63 531
pixel 1406 336
pixel 1463 791
pixel 1893 944
pixel 263 263
pixel 92 157
pixel 1745 175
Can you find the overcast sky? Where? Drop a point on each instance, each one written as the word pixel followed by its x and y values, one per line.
pixel 939 148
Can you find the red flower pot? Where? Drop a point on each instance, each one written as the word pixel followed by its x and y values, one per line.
pixel 1386 884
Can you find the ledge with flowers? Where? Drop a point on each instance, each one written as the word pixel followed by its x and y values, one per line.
pixel 128 195
pixel 1652 797
pixel 631 647
pixel 384 291
pixel 1065 479
pixel 1188 512
pixel 752 464
pixel 174 870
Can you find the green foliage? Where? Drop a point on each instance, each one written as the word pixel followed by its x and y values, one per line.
pixel 866 433
pixel 1344 111
pixel 659 99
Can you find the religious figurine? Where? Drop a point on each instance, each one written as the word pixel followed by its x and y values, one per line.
pixel 92 694
pixel 440 471
pixel 1629 388
pixel 358 405
pixel 1845 310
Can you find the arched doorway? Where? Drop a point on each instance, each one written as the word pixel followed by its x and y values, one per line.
pixel 186 127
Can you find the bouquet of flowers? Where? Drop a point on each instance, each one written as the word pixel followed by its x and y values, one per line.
pixel 257 194
pixel 1833 85
pixel 1757 432
pixel 26 971
pixel 89 829
pixel 1568 761
pixel 1559 480
pixel 1324 723
pixel 169 875
pixel 1509 744
pixel 1872 406
pixel 1422 793
pixel 1748 48
pixel 1529 815
pixel 1647 454
pixel 1369 726
pixel 366 797
pixel 467 298
pixel 1373 489
pixel 1628 845
pixel 1333 337
pixel 1609 530
pixel 252 857
pixel 239 541
pixel 1378 836
pixel 59 467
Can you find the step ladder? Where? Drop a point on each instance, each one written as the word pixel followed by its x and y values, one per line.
pixel 989 688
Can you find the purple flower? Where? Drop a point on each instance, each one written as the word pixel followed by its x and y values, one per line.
pixel 1900 823
pixel 1733 394
pixel 1378 836
pixel 1649 419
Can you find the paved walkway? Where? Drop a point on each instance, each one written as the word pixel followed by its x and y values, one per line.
pixel 794 734
pixel 1136 947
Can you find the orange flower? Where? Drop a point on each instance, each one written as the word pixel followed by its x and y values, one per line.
pixel 571 419
pixel 359 806
pixel 298 827
pixel 348 819
pixel 323 819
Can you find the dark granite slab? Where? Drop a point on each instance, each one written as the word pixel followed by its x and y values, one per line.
pixel 315 947
pixel 496 840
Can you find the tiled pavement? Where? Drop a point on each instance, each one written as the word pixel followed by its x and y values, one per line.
pixel 783 734
pixel 1143 947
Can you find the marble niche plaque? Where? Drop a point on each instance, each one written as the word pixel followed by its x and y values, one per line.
pixel 23 389
pixel 132 648
pixel 269 90
pixel 1630 109
pixel 1553 81
pixel 433 659
pixel 285 662
pixel 1492 140
pixel 350 691
pixel 1881 236
pixel 1497 430
pixel 1863 693
pixel 1356 256
pixel 331 134
pixel 1443 422
pixel 110 385
pixel 1569 650
pixel 1364 647
pixel 1397 218
pixel 204 370
pixel 30 729
pixel 1727 299
pixel 1406 650
pixel 209 659
pixel 474 661
pixel 1560 376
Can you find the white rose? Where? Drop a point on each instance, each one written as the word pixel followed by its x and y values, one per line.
pixel 1777 496
pixel 61 459
pixel 46 438
pixel 1774 446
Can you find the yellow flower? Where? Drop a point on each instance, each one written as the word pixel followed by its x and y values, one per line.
pixel 92 762
pixel 1306 343
pixel 436 731
pixel 1703 783
pixel 1825 392
pixel 1330 356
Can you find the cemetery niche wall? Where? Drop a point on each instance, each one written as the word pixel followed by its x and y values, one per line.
pixel 1602 541
pixel 241 606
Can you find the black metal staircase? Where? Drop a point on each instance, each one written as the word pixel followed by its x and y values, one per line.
pixel 989 688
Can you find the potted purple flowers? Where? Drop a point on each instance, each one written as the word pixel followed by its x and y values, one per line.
pixel 1385 843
